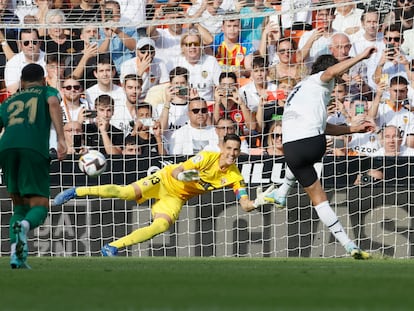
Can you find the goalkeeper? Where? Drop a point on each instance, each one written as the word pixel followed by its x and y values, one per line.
pixel 172 186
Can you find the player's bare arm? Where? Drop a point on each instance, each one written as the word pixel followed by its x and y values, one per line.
pixel 341 67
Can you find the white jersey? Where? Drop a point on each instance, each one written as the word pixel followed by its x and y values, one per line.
pixel 202 76
pixel 319 47
pixel 117 93
pixel 189 140
pixel 305 109
pixel 250 95
pixel 401 117
pixel 167 46
pixel 364 143
pixel 122 117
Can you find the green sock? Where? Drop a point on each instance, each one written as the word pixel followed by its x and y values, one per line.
pixel 36 216
pixel 19 213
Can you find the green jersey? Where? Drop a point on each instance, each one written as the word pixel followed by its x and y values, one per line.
pixel 26 119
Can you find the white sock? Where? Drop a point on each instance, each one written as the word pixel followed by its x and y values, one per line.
pixel 25 225
pixel 329 218
pixel 288 182
pixel 13 249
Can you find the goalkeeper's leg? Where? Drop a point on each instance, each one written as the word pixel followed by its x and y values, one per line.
pixel 127 193
pixel 159 225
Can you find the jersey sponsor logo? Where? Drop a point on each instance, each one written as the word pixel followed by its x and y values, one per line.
pixel 197 158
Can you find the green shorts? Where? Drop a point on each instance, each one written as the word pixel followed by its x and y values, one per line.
pixel 26 172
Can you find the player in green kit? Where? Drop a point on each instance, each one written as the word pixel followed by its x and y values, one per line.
pixel 26 118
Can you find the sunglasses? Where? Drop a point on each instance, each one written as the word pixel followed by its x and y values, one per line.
pixel 70 87
pixel 395 39
pixel 189 44
pixel 277 135
pixel 197 110
pixel 33 42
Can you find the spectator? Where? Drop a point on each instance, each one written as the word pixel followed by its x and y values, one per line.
pixel 151 69
pixel 229 103
pixel 252 27
pixel 8 36
pixel 126 112
pixel 270 36
pixel 56 41
pixel 74 106
pixel 82 65
pixel 232 53
pixel 100 134
pixel 395 110
pixel 105 73
pixel 356 77
pixel 86 11
pixel 259 87
pixel 133 11
pixel 55 66
pixel 75 140
pixel 225 126
pixel 401 15
pixel 348 17
pixel 29 45
pixel 391 141
pixel 361 143
pixel 315 42
pixel 271 108
pixel 147 132
pixel 207 10
pixel 168 40
pixel 194 136
pixel 204 70
pixel 173 112
pixel 369 34
pixel 120 42
pixel 301 12
pixel 339 105
pixel 287 64
pixel 273 142
pixel 130 146
pixel 392 61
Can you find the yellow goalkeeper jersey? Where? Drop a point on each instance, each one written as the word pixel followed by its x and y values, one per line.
pixel 211 176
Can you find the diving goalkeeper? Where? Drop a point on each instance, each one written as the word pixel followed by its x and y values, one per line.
pixel 172 186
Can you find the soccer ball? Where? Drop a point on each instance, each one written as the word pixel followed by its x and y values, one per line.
pixel 92 163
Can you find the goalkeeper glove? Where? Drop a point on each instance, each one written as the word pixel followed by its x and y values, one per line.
pixel 190 175
pixel 263 197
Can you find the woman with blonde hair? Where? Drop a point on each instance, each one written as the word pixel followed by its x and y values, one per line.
pixel 274 139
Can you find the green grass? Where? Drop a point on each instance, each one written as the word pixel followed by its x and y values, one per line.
pixel 207 284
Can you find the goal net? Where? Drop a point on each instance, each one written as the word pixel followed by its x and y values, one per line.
pixel 375 212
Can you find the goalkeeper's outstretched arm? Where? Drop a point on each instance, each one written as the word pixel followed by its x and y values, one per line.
pixel 262 198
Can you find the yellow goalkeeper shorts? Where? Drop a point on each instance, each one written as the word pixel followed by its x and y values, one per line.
pixel 166 203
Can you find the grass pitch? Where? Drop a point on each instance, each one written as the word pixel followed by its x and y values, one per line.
pixel 207 284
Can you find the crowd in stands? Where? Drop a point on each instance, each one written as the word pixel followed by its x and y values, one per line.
pixel 133 86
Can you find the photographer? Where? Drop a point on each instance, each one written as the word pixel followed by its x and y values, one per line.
pixel 392 61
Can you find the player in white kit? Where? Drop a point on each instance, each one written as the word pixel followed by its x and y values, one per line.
pixel 304 128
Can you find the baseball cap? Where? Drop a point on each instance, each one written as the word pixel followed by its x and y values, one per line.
pixel 145 41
